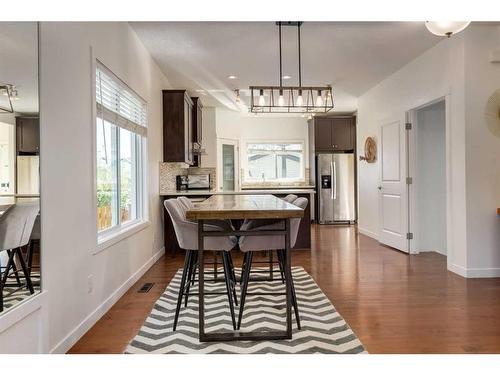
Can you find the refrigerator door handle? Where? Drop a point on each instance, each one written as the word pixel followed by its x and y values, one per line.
pixel 332 180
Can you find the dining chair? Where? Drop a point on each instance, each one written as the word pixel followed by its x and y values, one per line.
pixel 225 225
pixel 187 236
pixel 249 224
pixel 251 244
pixel 16 225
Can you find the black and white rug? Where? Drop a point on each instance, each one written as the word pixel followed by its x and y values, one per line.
pixel 323 329
pixel 13 295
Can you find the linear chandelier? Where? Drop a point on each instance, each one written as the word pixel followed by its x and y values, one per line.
pixel 290 99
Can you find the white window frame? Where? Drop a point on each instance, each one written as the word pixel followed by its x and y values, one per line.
pixel 108 237
pixel 248 180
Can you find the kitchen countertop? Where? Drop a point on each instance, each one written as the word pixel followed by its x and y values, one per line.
pixel 242 192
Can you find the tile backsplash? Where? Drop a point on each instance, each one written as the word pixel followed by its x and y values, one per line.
pixel 260 184
pixel 168 171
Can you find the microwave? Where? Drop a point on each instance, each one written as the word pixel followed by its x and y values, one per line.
pixel 199 182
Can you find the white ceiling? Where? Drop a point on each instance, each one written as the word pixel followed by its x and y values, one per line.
pixel 351 56
pixel 19 63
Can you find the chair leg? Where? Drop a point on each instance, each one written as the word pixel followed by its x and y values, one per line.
pixel 25 270
pixel 195 263
pixel 192 266
pixel 294 295
pixel 227 277
pixel 187 260
pixel 1 291
pixel 233 277
pixel 271 269
pixel 31 249
pixel 282 269
pixel 8 266
pixel 244 284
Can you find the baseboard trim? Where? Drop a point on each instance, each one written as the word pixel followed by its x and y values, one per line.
pixel 65 344
pixel 472 273
pixel 368 233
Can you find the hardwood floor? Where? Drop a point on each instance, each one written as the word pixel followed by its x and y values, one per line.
pixel 395 303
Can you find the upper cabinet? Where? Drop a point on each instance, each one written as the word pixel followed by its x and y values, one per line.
pixel 27 135
pixel 335 133
pixel 177 126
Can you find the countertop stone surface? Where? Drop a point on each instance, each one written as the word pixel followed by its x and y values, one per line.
pixel 242 192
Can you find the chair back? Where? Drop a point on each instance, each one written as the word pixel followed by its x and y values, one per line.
pixel 16 225
pixel 295 222
pixel 186 203
pixel 290 198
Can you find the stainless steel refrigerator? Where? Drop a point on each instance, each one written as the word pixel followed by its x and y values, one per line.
pixel 336 189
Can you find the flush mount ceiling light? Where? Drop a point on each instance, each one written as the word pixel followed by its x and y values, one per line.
pixel 9 91
pixel 446 28
pixel 290 99
pixel 231 77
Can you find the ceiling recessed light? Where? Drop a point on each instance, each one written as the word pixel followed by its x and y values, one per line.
pixel 287 77
pixel 231 77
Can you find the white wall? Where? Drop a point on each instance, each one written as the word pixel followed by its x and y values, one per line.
pixel 459 69
pixel 430 178
pixel 246 127
pixel 439 72
pixel 68 224
pixel 483 153
pixel 209 138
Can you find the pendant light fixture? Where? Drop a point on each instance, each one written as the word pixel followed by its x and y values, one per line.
pixel 290 99
pixel 446 28
pixel 10 92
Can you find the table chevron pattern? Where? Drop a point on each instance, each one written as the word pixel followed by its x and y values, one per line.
pixel 323 329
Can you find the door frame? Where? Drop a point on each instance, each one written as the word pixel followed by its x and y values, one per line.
pixel 220 167
pixel 412 164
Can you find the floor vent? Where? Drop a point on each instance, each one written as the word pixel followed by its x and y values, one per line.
pixel 146 288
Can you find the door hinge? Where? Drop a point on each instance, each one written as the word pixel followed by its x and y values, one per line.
pixel 409 236
pixel 408 126
pixel 409 180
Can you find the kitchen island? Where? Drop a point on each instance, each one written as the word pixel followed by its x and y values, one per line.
pixel 304 235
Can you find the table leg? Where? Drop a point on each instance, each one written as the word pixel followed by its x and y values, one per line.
pixel 288 279
pixel 201 282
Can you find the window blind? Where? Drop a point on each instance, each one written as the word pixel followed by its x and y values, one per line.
pixel 118 104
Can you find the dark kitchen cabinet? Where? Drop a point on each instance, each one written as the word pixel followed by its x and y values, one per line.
pixel 177 126
pixel 323 134
pixel 197 128
pixel 335 133
pixel 27 135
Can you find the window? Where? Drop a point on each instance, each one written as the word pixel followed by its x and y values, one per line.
pixel 121 119
pixel 277 161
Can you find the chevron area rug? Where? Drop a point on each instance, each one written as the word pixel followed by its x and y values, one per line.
pixel 323 329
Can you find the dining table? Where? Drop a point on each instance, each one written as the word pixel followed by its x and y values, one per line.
pixel 241 207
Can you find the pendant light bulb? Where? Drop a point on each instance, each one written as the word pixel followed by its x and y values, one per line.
pixel 319 99
pixel 300 100
pixel 281 100
pixel 238 99
pixel 262 101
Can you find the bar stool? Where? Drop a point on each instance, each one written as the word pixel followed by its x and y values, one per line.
pixel 187 236
pixel 252 223
pixel 251 244
pixel 16 225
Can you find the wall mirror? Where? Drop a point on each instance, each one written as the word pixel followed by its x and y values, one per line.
pixel 20 276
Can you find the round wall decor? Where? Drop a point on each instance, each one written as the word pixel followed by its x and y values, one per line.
pixel 492 113
pixel 370 150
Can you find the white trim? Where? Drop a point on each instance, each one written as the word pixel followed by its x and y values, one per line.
pixel 65 344
pixel 474 272
pixel 115 236
pixel 368 233
pixel 22 311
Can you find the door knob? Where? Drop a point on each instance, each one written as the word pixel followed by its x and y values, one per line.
pixel 380 187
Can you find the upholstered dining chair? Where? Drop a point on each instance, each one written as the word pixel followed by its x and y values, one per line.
pixel 251 244
pixel 16 225
pixel 249 224
pixel 187 236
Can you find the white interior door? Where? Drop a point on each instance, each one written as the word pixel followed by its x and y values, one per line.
pixel 392 196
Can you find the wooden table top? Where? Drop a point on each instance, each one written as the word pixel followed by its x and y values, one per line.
pixel 244 207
